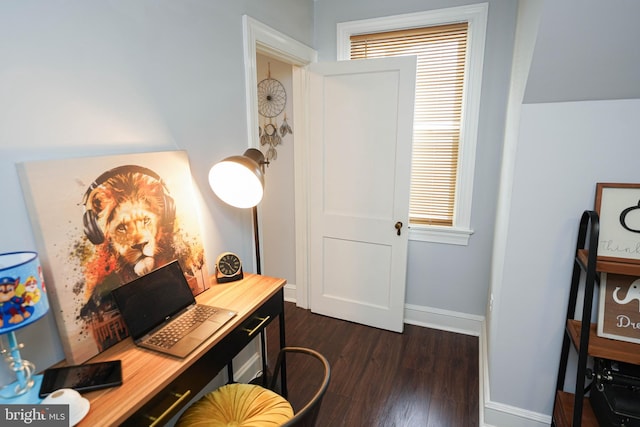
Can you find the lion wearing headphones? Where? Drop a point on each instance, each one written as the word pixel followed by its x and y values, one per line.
pixel 129 216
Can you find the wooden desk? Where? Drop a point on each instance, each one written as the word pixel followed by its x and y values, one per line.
pixel 153 382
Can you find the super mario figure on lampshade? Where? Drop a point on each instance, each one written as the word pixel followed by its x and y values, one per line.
pixel 23 300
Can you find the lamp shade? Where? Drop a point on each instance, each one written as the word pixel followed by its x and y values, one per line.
pixel 23 297
pixel 239 180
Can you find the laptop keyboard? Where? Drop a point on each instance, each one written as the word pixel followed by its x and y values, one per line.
pixel 171 334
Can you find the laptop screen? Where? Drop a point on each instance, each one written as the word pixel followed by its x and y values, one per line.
pixel 147 301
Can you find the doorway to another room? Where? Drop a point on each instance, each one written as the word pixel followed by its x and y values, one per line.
pixel 334 119
pixel 276 136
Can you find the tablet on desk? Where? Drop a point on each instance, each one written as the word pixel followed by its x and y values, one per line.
pixel 87 377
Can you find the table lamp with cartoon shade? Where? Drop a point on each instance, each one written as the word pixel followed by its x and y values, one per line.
pixel 23 300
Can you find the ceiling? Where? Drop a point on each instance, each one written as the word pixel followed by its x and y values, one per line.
pixel 586 50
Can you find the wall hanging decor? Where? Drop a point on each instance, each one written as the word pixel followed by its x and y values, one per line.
pixel 272 99
pixel 101 222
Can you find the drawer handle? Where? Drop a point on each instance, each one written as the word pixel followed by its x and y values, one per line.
pixel 181 398
pixel 263 320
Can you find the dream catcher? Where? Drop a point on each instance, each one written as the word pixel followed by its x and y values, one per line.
pixel 272 99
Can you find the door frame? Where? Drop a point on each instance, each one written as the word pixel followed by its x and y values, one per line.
pixel 260 38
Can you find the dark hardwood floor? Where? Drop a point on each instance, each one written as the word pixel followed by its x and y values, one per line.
pixel 422 377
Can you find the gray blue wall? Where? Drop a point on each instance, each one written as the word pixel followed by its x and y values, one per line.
pixel 87 78
pixel 90 78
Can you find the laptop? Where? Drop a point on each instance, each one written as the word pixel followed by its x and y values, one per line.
pixel 157 304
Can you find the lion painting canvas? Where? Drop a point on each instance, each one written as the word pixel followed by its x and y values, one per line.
pixel 101 222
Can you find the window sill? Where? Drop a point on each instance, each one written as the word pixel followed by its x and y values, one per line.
pixel 448 235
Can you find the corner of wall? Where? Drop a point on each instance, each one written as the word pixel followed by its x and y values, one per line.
pixel 495 414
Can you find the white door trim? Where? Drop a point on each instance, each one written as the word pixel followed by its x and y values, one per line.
pixel 261 38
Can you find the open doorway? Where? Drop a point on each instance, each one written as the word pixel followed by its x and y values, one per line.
pixel 277 142
pixel 261 40
pixel 350 201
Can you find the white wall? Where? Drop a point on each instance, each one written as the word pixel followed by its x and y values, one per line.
pixel 551 165
pixel 90 77
pixel 563 150
pixel 586 50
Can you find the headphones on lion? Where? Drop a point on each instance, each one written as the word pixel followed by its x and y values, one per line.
pixel 89 218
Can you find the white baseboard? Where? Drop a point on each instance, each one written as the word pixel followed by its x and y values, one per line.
pixel 446 320
pixel 499 415
pixel 496 414
pixel 249 370
pixel 290 292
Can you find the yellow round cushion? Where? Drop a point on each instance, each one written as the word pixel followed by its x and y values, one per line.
pixel 238 405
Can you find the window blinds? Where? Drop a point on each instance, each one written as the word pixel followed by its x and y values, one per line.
pixel 441 57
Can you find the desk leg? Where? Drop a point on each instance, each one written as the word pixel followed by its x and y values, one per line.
pixel 283 370
pixel 230 372
pixel 263 352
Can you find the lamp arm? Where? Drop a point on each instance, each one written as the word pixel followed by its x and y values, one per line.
pixel 257 156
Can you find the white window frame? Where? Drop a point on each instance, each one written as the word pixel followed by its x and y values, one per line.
pixel 476 16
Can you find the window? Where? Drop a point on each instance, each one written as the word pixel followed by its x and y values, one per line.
pixel 449 45
pixel 441 52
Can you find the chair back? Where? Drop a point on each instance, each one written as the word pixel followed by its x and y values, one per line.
pixel 308 414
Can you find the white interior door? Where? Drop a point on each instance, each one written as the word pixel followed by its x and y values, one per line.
pixel 361 125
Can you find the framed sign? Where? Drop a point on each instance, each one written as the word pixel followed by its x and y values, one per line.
pixel 618 206
pixel 619 307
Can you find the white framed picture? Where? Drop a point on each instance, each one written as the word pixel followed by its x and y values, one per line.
pixel 618 207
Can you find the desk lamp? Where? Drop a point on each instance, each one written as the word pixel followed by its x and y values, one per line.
pixel 23 300
pixel 239 181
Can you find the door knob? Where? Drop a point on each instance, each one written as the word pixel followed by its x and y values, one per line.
pixel 398 227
